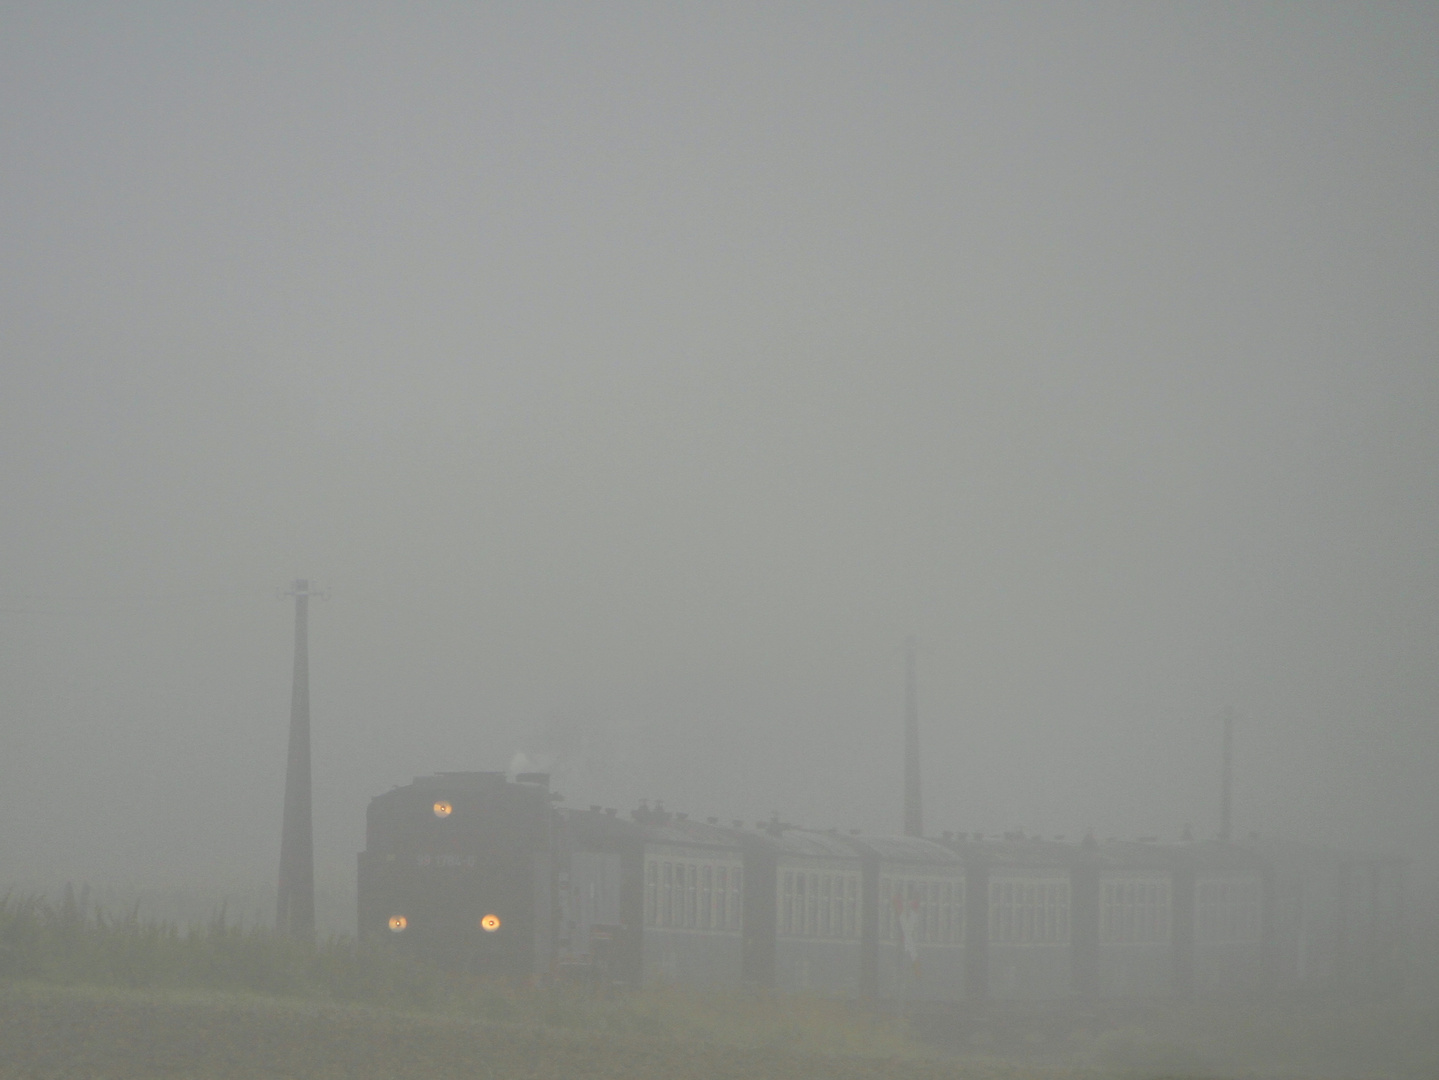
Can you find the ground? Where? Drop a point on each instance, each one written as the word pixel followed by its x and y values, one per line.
pixel 89 1035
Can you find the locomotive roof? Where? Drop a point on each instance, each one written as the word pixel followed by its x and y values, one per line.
pixel 459 785
pixel 462 780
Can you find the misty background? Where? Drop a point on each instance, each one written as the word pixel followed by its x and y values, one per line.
pixel 636 377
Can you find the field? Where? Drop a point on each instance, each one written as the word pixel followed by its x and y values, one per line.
pixel 73 1033
pixel 83 994
pixel 86 994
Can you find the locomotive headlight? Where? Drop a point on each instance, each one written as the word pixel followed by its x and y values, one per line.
pixel 398 923
pixel 490 923
pixel 443 809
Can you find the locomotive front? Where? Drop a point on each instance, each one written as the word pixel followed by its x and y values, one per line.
pixel 457 869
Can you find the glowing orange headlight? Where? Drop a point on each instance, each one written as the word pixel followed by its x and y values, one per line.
pixel 490 923
pixel 443 809
pixel 398 923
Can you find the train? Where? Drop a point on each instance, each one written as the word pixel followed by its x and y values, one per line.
pixel 484 872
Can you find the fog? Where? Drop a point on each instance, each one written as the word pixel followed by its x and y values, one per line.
pixel 636 378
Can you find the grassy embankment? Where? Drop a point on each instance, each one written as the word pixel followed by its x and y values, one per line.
pixel 67 945
pixel 83 993
pixel 86 994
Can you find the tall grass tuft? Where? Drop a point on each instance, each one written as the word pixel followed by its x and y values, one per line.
pixel 72 944
pixel 75 944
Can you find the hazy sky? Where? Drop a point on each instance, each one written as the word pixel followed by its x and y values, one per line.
pixel 636 377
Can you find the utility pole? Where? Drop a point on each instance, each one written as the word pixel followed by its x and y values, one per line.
pixel 1226 804
pixel 296 910
pixel 913 813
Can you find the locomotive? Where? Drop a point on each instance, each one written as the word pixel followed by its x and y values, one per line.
pixel 482 872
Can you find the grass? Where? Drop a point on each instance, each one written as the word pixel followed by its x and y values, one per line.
pixel 71 944
pixel 88 993
pixel 113 1034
